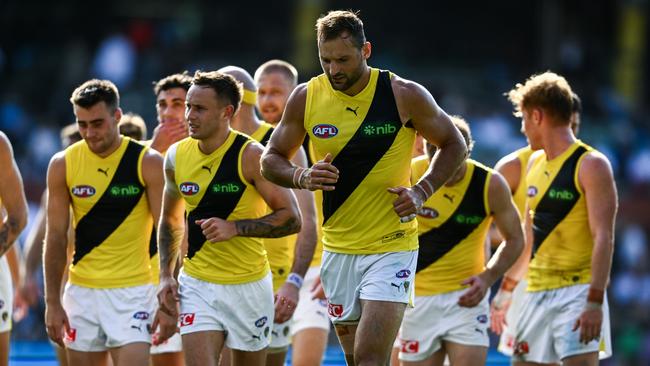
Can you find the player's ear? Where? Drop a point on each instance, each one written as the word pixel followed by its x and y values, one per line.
pixel 366 50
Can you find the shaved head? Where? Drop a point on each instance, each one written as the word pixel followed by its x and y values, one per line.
pixel 240 75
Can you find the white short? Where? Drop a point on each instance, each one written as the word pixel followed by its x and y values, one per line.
pixel 507 339
pixel 244 312
pixel 281 335
pixel 6 296
pixel 546 335
pixel 172 345
pixel 348 278
pixel 439 318
pixel 310 313
pixel 108 318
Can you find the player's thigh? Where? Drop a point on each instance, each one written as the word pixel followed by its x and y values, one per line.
pixel 202 348
pixel 132 354
pixel 465 355
pixel 245 358
pixel 378 326
pixel 4 348
pixel 436 359
pixel 308 347
pixel 77 358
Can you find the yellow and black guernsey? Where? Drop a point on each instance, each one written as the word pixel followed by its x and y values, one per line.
pixel 213 185
pixel 263 133
pixel 562 241
pixel 519 197
pixel 453 225
pixel 112 220
pixel 278 250
pixel 318 199
pixel 371 149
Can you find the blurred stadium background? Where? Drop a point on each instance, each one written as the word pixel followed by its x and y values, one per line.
pixel 466 53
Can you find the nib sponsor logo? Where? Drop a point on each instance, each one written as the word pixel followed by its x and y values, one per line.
pixel 335 310
pixel 187 319
pixel 409 346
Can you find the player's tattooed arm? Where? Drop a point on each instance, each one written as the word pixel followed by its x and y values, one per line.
pixel 172 224
pixel 277 224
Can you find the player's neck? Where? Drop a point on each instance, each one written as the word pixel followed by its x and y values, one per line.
pixel 117 141
pixel 360 84
pixel 557 141
pixel 211 143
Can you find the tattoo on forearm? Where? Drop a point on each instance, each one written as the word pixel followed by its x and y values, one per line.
pixel 265 228
pixel 169 242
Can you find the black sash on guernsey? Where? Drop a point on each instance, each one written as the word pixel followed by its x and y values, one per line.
pixel 153 242
pixel 217 204
pixel 267 136
pixel 360 155
pixel 469 214
pixel 558 200
pixel 305 145
pixel 110 210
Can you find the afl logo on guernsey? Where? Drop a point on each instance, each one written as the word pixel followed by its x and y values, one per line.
pixel 189 188
pixel 428 212
pixel 83 191
pixel 325 131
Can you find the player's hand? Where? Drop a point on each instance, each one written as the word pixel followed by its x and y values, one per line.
pixel 475 293
pixel 322 175
pixel 498 310
pixel 286 300
pixel 408 202
pixel 168 296
pixel 317 290
pixel 56 323
pixel 589 323
pixel 216 230
pixel 29 291
pixel 164 135
pixel 165 324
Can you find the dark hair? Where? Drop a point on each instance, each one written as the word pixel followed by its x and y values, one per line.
pixel 338 23
pixel 182 80
pixel 280 66
pixel 95 91
pixel 227 88
pixel 577 103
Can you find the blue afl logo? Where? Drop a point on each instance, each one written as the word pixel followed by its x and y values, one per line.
pixel 189 188
pixel 141 315
pixel 83 191
pixel 325 131
pixel 403 273
pixel 261 322
pixel 532 191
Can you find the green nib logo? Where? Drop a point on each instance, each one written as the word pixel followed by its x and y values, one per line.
pixel 369 130
pixel 563 195
pixel 225 188
pixel 124 190
pixel 468 220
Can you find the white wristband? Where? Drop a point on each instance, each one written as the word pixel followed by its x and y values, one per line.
pixel 295 279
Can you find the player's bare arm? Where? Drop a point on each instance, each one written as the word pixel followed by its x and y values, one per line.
pixel 597 182
pixel 152 174
pixel 55 253
pixel 415 104
pixel 285 218
pixel 13 197
pixel 286 140
pixel 507 221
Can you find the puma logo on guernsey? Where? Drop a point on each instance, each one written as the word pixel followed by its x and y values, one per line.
pixel 225 188
pixel 105 172
pixel 450 198
pixel 209 169
pixel 349 109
